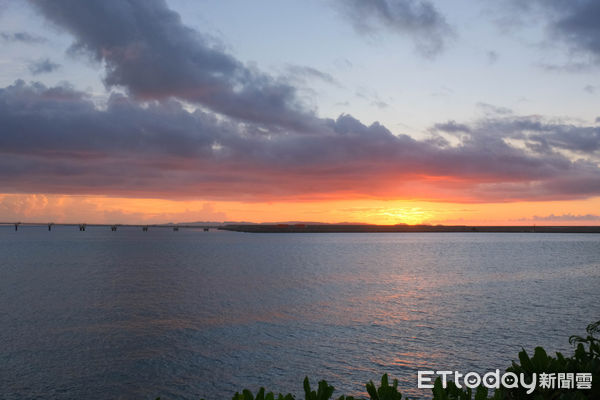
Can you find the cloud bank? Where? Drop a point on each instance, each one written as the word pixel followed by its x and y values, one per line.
pixel 250 138
pixel 56 141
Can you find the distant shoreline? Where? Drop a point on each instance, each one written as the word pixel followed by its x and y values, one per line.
pixel 334 228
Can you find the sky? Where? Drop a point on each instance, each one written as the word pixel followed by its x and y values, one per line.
pixel 386 111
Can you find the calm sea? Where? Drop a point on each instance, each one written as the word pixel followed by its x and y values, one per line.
pixel 191 314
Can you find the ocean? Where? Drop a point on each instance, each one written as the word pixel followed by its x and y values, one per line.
pixel 193 314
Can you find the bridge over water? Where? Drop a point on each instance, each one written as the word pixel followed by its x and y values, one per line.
pixel 113 227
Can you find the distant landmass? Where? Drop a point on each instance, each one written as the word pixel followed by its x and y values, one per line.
pixel 365 228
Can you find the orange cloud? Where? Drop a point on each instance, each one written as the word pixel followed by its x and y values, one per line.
pixel 109 210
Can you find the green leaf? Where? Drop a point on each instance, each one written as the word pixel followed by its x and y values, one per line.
pixel 261 394
pixel 438 390
pixel 372 391
pixel 525 361
pixel 481 393
pixel 307 392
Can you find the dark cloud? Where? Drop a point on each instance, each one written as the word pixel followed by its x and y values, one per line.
pixel 23 37
pixel 417 18
pixel 42 66
pixel 543 136
pixel 54 140
pixel 573 22
pixel 303 73
pixel 146 49
pixel 452 127
pixel 576 22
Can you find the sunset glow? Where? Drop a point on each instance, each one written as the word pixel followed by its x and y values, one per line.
pixel 110 210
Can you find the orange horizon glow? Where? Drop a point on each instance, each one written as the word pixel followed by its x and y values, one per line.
pixel 121 210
